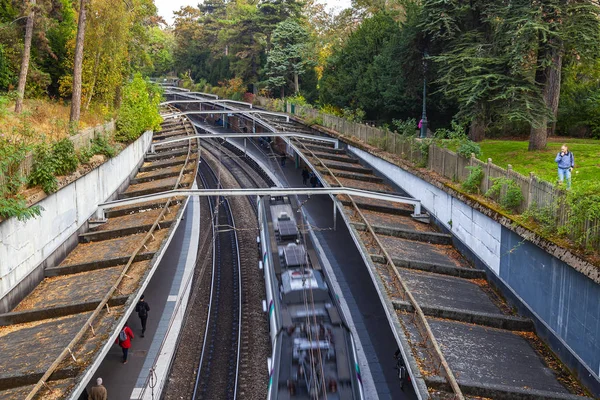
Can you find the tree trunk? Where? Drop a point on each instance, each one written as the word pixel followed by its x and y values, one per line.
pixel 553 89
pixel 25 59
pixel 76 99
pixel 549 79
pixel 94 79
pixel 477 130
pixel 282 93
pixel 296 85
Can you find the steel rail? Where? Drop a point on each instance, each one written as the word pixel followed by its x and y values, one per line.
pixel 404 288
pixel 418 311
pixel 204 101
pixel 241 136
pixel 274 191
pixel 231 218
pixel 253 182
pixel 229 111
pixel 88 324
pixel 212 285
pixel 251 117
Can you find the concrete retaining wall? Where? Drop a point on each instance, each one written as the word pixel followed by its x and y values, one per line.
pixel 24 246
pixel 564 303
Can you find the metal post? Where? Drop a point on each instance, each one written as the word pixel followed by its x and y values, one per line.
pixel 424 115
pixel 334 217
pixel 244 147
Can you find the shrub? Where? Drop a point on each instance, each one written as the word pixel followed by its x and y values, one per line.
pixel 11 203
pixel 457 138
pixel 314 121
pixel 506 192
pixel 473 182
pixel 43 169
pixel 101 145
pixel 297 99
pixel 331 110
pixel 85 154
pixel 354 115
pixel 139 109
pixel 545 216
pixel 248 97
pixel 65 158
pixel 17 207
pixel 405 128
pixel 583 202
pixel 468 147
pixel 4 101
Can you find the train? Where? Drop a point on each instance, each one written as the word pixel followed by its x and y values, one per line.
pixel 313 350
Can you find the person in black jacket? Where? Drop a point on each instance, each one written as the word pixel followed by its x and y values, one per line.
pixel 305 176
pixel 142 309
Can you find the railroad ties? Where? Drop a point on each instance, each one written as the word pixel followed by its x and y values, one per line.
pixel 53 336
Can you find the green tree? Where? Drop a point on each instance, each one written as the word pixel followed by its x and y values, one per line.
pixel 139 109
pixel 350 76
pixel 502 60
pixel 289 56
pixel 272 12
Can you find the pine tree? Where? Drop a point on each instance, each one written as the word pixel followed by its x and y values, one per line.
pixel 289 57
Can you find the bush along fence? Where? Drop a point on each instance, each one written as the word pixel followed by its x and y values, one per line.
pixel 575 214
pixel 40 164
pixel 80 141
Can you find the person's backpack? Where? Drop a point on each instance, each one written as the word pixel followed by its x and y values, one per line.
pixel 122 336
pixel 141 309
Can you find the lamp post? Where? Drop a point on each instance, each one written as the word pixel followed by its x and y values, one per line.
pixel 424 116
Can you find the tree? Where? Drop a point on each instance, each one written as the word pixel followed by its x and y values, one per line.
pixel 350 76
pixel 502 60
pixel 25 59
pixel 564 26
pixel 289 56
pixel 78 64
pixel 272 12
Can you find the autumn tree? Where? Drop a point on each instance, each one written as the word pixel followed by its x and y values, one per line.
pixel 26 55
pixel 77 65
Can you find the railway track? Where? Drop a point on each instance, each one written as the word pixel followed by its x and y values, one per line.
pixel 219 362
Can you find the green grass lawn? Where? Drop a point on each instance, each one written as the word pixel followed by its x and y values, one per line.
pixel 513 152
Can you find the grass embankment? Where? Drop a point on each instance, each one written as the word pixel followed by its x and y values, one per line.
pixel 541 163
pixel 44 120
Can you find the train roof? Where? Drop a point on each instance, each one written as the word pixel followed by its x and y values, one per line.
pixel 316 351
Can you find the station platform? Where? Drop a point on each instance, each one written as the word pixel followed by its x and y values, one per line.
pixel 149 356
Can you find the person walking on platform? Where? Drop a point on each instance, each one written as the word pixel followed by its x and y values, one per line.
pixel 98 392
pixel 282 158
pixel 142 309
pixel 313 180
pixel 124 340
pixel 305 176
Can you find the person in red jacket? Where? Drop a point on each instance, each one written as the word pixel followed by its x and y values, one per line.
pixel 124 340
